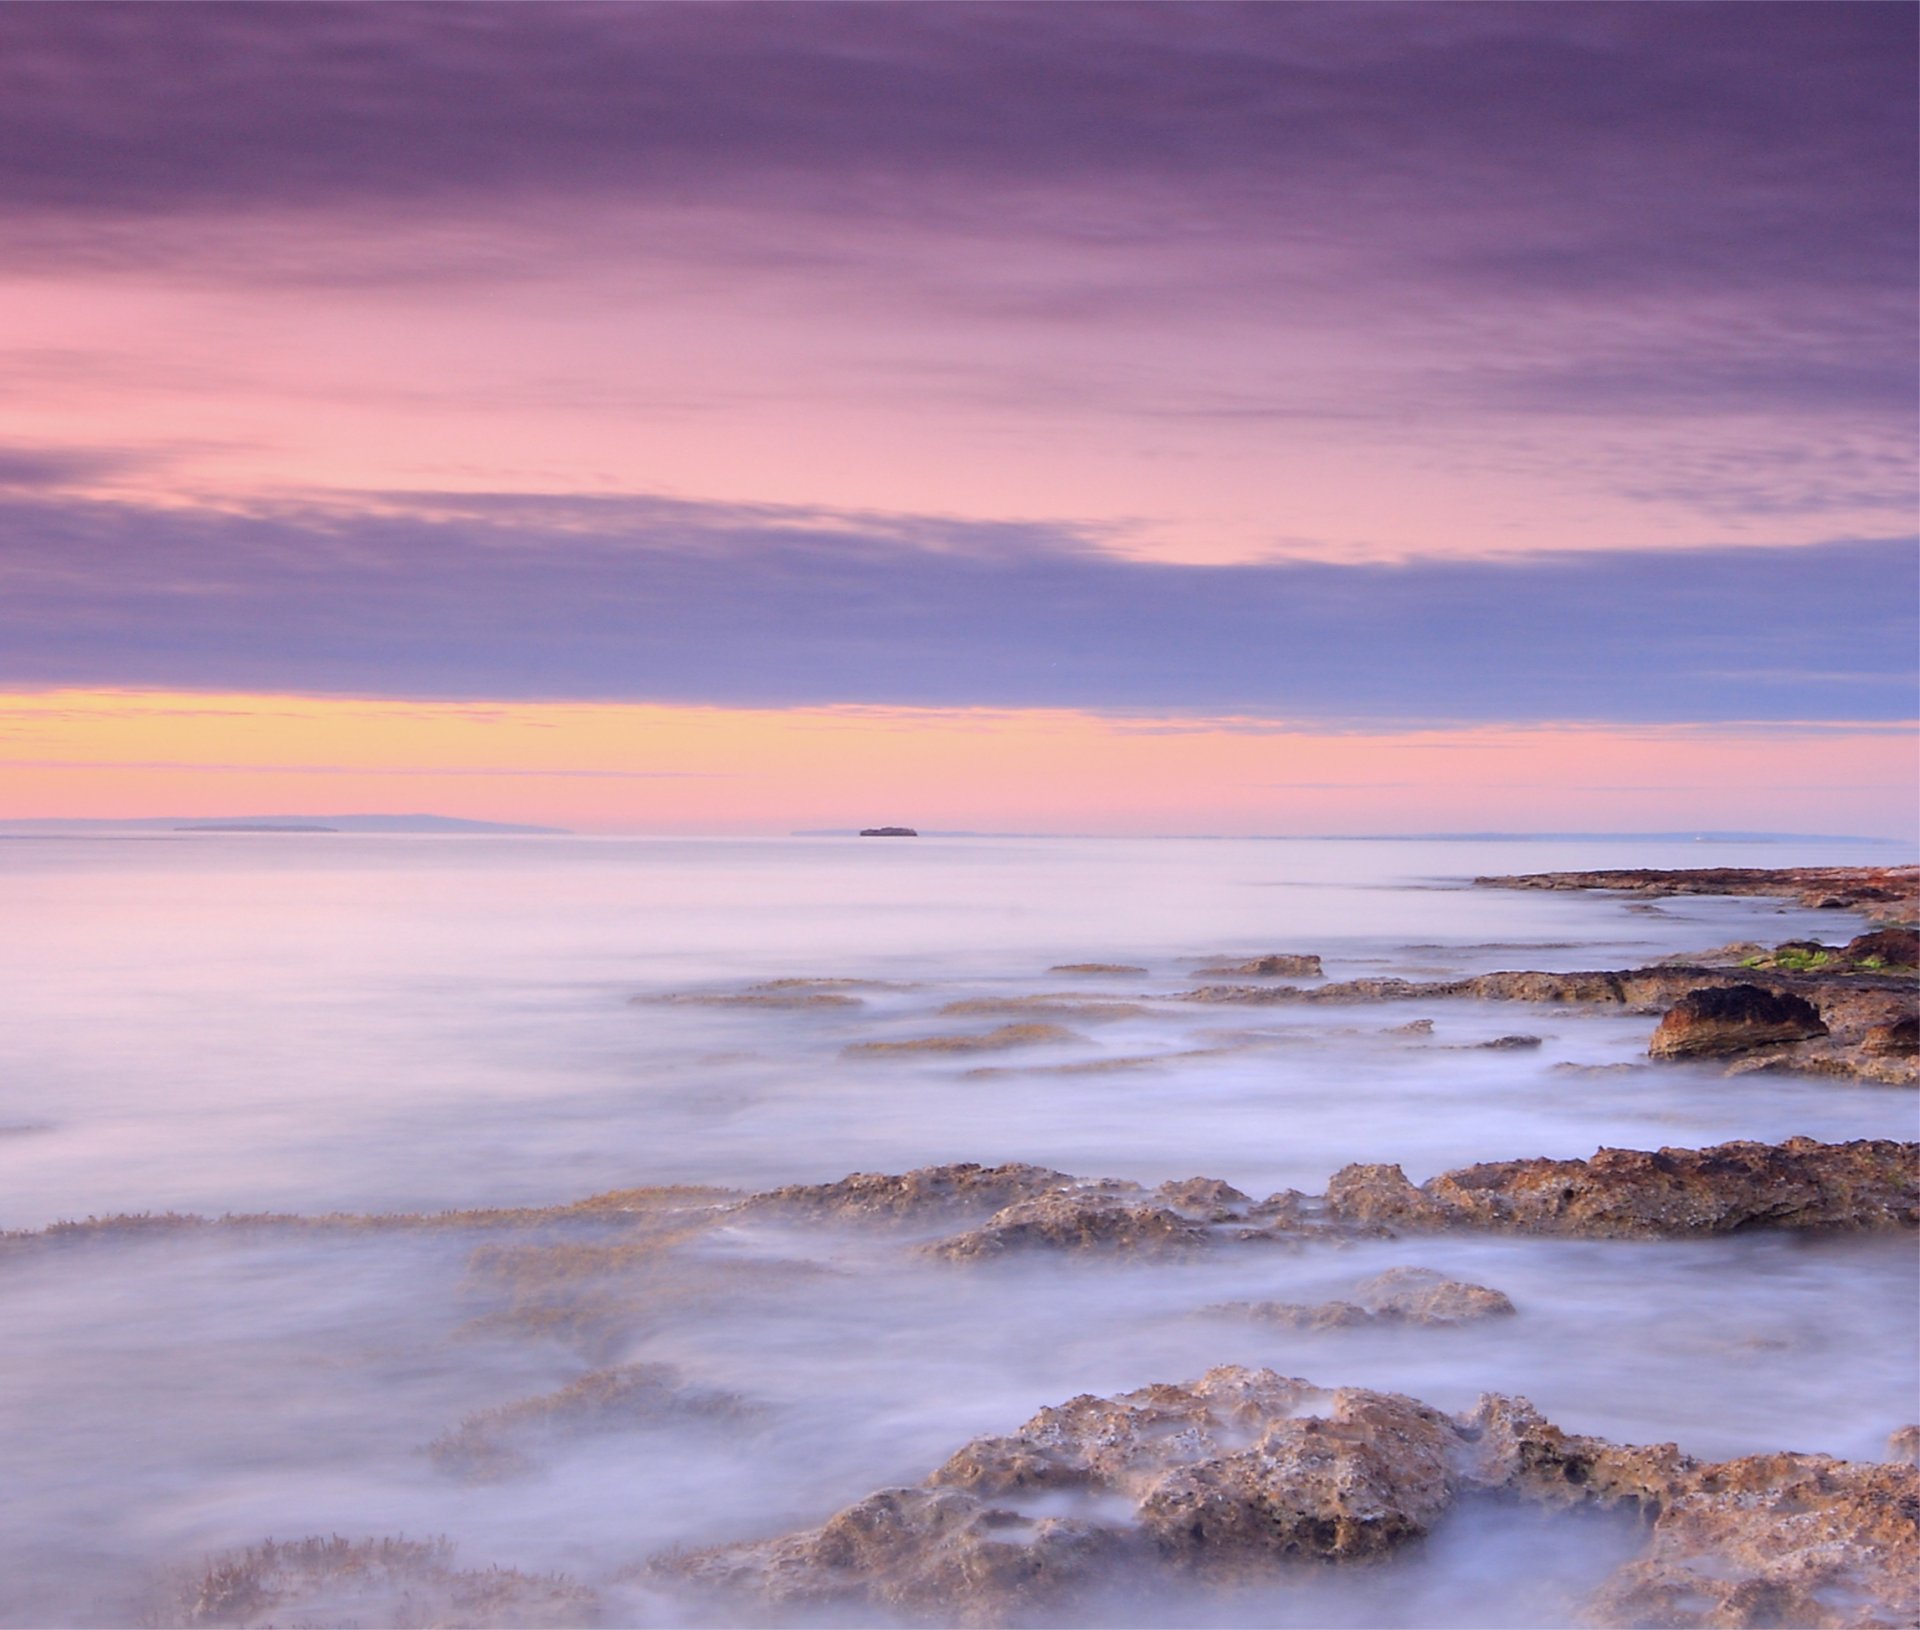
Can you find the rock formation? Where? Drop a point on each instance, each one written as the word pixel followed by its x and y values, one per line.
pixel 1245 1475
pixel 1725 1020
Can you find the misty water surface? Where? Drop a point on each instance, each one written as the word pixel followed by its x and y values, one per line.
pixel 314 1025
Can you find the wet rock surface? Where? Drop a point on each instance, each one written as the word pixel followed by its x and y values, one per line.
pixel 1244 1475
pixel 1725 1020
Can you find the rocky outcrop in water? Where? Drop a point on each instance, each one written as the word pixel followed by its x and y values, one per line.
pixel 1881 893
pixel 1280 965
pixel 1244 1475
pixel 1628 1193
pixel 1724 1020
pixel 1398 1296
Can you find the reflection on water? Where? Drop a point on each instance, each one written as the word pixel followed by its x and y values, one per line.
pixel 315 1025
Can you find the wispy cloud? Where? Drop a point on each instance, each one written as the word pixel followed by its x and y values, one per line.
pixel 529 596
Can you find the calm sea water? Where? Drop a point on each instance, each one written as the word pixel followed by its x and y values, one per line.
pixel 251 1023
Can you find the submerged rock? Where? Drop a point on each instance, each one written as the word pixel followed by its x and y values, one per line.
pixel 382 1581
pixel 1095 968
pixel 505 1442
pixel 1398 1296
pixel 1720 1022
pixel 1244 1475
pixel 1087 1010
pixel 988 1041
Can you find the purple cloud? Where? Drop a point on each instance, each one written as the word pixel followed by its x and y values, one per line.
pixel 523 597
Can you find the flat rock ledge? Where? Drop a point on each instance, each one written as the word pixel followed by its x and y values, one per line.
pixel 1869 1184
pixel 1243 1475
pixel 1880 893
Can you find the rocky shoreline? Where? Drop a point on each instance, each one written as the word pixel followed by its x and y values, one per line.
pixel 1243 1478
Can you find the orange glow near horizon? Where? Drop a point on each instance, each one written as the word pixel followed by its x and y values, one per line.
pixel 652 768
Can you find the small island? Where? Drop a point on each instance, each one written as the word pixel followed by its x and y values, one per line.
pixel 888 832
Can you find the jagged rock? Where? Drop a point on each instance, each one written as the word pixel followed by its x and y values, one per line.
pixel 1505 1044
pixel 1801 1183
pixel 1778 1540
pixel 1244 1474
pixel 1732 1019
pixel 1904 1445
pixel 926 1191
pixel 1280 965
pixel 1413 1027
pixel 1214 1200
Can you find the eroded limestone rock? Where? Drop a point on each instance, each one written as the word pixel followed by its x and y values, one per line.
pixel 1245 1474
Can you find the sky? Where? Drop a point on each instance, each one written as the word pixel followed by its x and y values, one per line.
pixel 1256 418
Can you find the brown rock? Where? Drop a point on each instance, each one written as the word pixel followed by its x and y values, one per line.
pixel 1243 1474
pixel 1890 947
pixel 1904 1445
pixel 1898 1038
pixel 1096 968
pixel 1778 1540
pixel 1280 965
pixel 1728 1020
pixel 1212 1199
pixel 1629 1192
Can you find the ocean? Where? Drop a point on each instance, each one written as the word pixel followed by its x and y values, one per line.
pixel 248 1023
